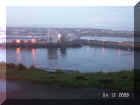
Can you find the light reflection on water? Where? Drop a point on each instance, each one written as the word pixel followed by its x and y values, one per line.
pixel 119 52
pixel 18 55
pixel 85 59
pixel 34 56
pixel 103 50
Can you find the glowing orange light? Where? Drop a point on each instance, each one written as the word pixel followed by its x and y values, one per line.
pixel 59 36
pixel 119 52
pixel 34 56
pixel 33 40
pixel 103 50
pixel 18 41
pixel 33 52
pixel 89 49
pixel 18 55
pixel 18 50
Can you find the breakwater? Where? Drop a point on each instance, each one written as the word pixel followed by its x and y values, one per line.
pixel 108 44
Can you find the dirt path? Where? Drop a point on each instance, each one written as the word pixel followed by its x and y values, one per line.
pixel 27 90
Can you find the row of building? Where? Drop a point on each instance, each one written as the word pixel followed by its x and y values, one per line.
pixel 51 37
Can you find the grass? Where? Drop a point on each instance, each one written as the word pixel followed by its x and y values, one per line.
pixel 123 80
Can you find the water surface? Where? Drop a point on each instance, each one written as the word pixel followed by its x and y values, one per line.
pixel 84 59
pixel 113 39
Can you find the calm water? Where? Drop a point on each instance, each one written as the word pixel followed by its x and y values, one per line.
pixel 114 39
pixel 84 59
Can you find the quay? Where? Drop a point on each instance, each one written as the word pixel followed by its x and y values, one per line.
pixel 75 43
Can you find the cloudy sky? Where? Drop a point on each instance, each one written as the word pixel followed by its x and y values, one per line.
pixel 108 17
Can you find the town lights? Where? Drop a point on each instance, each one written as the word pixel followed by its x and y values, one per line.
pixel 59 36
pixel 33 40
pixel 104 41
pixel 18 41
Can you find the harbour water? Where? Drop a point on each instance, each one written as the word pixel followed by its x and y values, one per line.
pixel 113 39
pixel 84 59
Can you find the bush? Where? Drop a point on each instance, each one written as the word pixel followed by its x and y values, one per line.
pixel 21 67
pixel 10 65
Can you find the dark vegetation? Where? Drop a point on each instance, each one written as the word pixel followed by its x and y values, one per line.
pixel 123 80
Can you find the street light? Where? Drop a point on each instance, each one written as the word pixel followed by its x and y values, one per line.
pixel 18 41
pixel 33 40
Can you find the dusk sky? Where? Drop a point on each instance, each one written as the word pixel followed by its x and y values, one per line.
pixel 116 18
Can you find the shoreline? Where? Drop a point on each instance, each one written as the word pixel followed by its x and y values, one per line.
pixel 34 83
pixel 76 44
pixel 74 79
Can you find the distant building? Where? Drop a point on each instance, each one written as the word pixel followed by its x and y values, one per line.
pixel 71 37
pixel 52 36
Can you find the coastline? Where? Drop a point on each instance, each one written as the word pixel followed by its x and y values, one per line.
pixel 74 79
pixel 34 83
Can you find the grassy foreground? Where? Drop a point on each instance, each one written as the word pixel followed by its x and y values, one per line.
pixel 123 80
